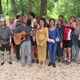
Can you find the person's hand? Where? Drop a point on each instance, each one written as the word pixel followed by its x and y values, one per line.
pixel 61 45
pixel 51 40
pixel 57 40
pixel 0 45
pixel 10 45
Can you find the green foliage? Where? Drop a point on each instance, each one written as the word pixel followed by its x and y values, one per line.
pixel 54 7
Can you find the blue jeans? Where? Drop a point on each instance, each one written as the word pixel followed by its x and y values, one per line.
pixel 75 52
pixel 25 52
pixel 52 50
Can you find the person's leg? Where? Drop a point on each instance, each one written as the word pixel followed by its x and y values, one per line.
pixel 73 52
pixel 22 53
pixel 17 48
pixel 54 54
pixel 33 52
pixel 50 55
pixel 77 52
pixel 65 50
pixel 65 53
pixel 2 55
pixel 29 52
pixel 79 56
pixel 8 51
pixel 69 54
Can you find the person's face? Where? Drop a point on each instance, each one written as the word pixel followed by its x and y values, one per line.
pixel 69 24
pixel 59 23
pixel 72 19
pixel 35 23
pixel 11 19
pixel 61 18
pixel 3 23
pixel 41 23
pixel 31 17
pixel 24 20
pixel 52 23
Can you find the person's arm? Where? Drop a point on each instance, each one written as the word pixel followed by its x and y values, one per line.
pixel 37 38
pixel 10 37
pixel 46 37
pixel 58 35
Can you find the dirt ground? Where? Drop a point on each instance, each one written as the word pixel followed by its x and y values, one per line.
pixel 17 72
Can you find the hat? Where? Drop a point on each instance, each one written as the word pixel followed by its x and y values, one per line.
pixel 2 19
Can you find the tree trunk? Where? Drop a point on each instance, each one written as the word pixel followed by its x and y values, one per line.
pixel 30 5
pixel 0 9
pixel 13 6
pixel 43 9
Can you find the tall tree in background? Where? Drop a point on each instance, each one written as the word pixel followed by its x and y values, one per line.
pixel 43 9
pixel 30 5
pixel 0 9
pixel 13 6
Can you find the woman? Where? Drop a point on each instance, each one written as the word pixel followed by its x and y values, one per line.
pixel 67 43
pixel 60 47
pixel 74 37
pixel 54 37
pixel 78 25
pixel 41 38
pixel 33 41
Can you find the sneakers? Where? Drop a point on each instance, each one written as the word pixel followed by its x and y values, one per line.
pixel 2 63
pixel 54 65
pixel 64 61
pixel 68 62
pixel 50 64
pixel 10 62
pixel 33 61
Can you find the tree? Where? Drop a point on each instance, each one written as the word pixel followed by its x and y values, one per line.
pixel 0 9
pixel 43 8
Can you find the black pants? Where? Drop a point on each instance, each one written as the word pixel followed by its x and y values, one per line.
pixel 17 48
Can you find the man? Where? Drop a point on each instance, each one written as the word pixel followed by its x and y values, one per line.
pixel 11 23
pixel 5 41
pixel 25 46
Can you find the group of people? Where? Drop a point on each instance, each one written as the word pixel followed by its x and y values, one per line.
pixel 41 40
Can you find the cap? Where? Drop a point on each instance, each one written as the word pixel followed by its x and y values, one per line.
pixel 2 19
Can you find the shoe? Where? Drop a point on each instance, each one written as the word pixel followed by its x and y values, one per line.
pixel 2 63
pixel 54 65
pixel 10 62
pixel 23 65
pixel 64 61
pixel 59 60
pixel 50 64
pixel 68 62
pixel 37 61
pixel 33 61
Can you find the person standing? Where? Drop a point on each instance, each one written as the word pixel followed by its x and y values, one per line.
pixel 25 46
pixel 17 47
pixel 33 21
pixel 41 39
pixel 54 37
pixel 5 41
pixel 74 36
pixel 60 44
pixel 67 42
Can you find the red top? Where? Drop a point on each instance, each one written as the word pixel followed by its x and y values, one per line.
pixel 67 33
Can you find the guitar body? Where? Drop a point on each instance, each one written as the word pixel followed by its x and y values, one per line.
pixel 19 38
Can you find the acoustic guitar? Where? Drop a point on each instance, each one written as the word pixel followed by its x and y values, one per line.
pixel 19 37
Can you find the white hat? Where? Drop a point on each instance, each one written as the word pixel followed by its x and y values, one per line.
pixel 2 19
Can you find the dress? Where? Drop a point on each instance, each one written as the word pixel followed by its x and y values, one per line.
pixel 41 38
